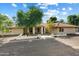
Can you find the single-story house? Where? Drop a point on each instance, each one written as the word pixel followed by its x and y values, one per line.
pixel 41 29
pixel 63 27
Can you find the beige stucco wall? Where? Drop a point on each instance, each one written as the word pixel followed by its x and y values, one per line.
pixel 55 30
pixel 70 30
pixel 16 30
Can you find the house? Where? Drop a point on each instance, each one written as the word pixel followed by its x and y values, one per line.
pixel 66 28
pixel 41 29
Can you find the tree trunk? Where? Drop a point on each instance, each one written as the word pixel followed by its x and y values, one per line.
pixel 24 31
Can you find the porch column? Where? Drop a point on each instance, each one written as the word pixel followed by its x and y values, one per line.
pixel 41 30
pixel 44 30
pixel 28 30
pixel 33 30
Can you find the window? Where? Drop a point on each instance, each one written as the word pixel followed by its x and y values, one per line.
pixel 78 29
pixel 61 30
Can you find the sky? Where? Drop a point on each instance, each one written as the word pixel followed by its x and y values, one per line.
pixel 60 10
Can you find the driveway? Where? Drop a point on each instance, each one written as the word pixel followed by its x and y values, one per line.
pixel 43 47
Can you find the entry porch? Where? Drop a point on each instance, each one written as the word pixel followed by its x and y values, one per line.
pixel 36 30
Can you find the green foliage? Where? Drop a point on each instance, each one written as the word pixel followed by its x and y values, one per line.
pixel 20 18
pixel 61 21
pixel 30 18
pixel 50 22
pixel 4 23
pixel 73 19
pixel 14 18
pixel 52 19
pixel 49 27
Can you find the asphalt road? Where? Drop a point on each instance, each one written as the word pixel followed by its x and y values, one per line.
pixel 43 47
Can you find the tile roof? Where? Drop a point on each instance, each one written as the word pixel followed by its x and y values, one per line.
pixel 63 25
pixel 54 25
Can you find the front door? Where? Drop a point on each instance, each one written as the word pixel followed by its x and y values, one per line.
pixel 38 30
pixel 31 30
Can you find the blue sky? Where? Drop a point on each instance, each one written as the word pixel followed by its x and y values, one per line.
pixel 60 10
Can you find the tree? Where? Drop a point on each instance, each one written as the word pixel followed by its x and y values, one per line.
pixel 50 22
pixel 34 16
pixel 52 19
pixel 14 19
pixel 78 19
pixel 49 27
pixel 61 21
pixel 73 19
pixel 30 18
pixel 20 18
pixel 4 22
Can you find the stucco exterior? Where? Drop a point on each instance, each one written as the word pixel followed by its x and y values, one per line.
pixel 65 30
pixel 42 29
pixel 70 30
pixel 16 30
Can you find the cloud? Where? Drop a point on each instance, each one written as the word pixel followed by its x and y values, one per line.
pixel 56 4
pixel 24 5
pixel 42 4
pixel 7 15
pixel 45 5
pixel 51 3
pixel 64 13
pixel 57 17
pixel 70 8
pixel 54 12
pixel 63 8
pixel 38 4
pixel 50 13
pixel 42 7
pixel 14 5
pixel 70 3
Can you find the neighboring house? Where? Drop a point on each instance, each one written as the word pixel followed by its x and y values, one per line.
pixel 41 29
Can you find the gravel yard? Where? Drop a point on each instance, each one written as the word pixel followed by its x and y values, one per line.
pixel 71 41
